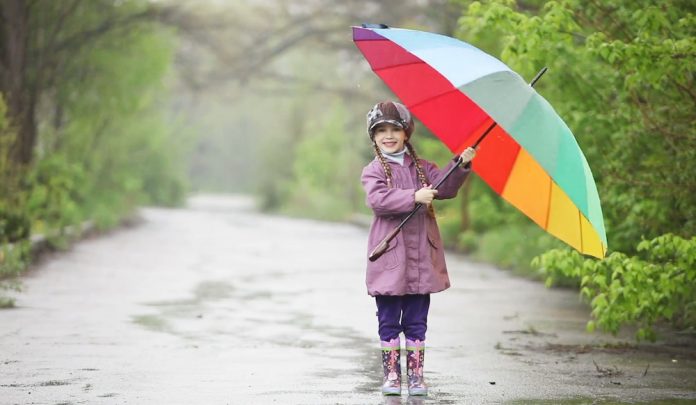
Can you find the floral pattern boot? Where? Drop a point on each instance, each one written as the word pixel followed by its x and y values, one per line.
pixel 391 365
pixel 415 354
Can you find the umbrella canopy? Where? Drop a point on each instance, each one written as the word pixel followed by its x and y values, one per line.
pixel 531 158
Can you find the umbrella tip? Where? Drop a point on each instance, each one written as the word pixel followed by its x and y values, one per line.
pixel 380 26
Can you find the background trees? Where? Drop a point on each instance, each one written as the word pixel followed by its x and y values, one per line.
pixel 83 135
pixel 110 104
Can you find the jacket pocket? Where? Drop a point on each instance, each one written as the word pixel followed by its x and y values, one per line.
pixel 435 243
pixel 432 242
pixel 434 238
pixel 433 249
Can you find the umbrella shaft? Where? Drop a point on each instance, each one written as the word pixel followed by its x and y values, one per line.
pixel 490 128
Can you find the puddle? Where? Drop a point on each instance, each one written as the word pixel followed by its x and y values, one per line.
pixel 52 383
pixel 154 323
pixel 213 290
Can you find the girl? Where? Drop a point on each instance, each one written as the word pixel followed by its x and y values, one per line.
pixel 413 266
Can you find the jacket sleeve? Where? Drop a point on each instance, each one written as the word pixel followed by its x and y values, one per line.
pixel 383 200
pixel 451 186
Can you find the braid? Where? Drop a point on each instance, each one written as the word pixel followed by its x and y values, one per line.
pixel 385 165
pixel 421 174
pixel 419 168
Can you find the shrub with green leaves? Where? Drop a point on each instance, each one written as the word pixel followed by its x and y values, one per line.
pixel 657 284
pixel 15 223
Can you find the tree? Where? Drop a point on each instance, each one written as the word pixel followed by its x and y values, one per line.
pixel 37 39
pixel 81 80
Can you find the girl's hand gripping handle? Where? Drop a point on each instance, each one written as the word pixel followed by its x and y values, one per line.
pixel 468 155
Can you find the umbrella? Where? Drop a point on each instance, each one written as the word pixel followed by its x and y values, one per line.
pixel 530 157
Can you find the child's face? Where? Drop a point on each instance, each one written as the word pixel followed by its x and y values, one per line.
pixel 390 138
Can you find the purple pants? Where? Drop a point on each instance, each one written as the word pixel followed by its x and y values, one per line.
pixel 402 313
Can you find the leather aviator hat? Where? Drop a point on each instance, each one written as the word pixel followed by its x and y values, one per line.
pixel 392 113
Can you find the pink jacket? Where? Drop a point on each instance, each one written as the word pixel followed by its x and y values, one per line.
pixel 415 260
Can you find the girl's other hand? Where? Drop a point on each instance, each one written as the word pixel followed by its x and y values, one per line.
pixel 468 155
pixel 426 195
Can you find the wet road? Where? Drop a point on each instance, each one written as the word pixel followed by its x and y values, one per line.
pixel 218 304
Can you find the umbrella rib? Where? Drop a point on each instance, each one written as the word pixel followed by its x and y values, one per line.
pixel 582 248
pixel 436 96
pixel 548 206
pixel 399 65
pixel 429 98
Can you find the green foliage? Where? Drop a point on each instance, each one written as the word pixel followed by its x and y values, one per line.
pixel 115 128
pixel 324 174
pixel 621 76
pixel 277 157
pixel 14 259
pixel 658 283
pixel 15 222
pixel 110 147
pixel 55 194
pixel 503 246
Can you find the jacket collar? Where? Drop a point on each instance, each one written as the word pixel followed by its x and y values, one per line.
pixel 408 161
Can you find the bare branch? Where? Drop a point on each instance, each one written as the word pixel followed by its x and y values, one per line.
pixel 76 41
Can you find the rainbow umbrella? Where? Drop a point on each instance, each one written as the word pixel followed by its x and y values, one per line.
pixel 530 158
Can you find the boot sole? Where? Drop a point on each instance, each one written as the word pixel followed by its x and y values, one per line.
pixel 418 393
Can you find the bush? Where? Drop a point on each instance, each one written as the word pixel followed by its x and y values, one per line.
pixel 55 197
pixel 13 261
pixel 658 283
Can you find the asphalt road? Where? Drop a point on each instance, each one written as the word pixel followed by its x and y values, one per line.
pixel 219 304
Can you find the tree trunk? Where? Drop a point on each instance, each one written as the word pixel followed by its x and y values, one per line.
pixel 14 42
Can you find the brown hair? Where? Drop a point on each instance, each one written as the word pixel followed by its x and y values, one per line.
pixel 416 160
pixel 383 162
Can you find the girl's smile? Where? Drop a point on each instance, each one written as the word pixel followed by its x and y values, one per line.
pixel 390 138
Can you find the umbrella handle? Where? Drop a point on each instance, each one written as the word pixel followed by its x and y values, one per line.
pixel 384 244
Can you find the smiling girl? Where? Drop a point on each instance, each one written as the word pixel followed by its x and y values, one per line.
pixel 413 267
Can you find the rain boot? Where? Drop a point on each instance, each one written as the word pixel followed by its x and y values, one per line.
pixel 391 365
pixel 415 354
